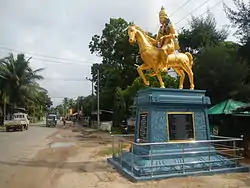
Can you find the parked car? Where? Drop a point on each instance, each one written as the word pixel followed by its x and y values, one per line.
pixel 19 121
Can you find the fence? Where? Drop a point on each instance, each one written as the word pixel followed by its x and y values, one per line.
pixel 222 146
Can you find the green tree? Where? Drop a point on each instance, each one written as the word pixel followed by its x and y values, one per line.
pixel 202 32
pixel 118 58
pixel 87 104
pixel 240 18
pixel 40 105
pixel 119 108
pixel 60 109
pixel 65 105
pixel 130 92
pixel 18 81
pixel 201 36
pixel 71 104
pixel 218 70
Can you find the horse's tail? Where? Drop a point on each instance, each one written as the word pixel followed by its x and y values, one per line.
pixel 190 57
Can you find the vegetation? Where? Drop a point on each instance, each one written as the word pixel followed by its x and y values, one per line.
pixel 220 67
pixel 19 86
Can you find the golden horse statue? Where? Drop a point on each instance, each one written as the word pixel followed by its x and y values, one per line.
pixel 151 56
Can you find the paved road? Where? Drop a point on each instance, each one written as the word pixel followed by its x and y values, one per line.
pixel 15 146
pixel 39 123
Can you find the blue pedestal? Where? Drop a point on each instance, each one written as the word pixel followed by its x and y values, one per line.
pixel 161 155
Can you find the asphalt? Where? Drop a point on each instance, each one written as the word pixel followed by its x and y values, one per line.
pixel 17 146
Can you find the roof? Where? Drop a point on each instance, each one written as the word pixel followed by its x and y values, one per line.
pixel 245 108
pixel 242 114
pixel 101 111
pixel 226 107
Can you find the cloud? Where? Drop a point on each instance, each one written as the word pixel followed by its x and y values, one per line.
pixel 63 28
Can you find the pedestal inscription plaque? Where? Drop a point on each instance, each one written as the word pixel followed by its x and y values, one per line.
pixel 143 126
pixel 180 126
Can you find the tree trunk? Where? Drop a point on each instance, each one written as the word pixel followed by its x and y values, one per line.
pixel 4 106
pixel 4 109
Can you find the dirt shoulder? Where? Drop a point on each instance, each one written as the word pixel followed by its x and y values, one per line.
pixel 75 159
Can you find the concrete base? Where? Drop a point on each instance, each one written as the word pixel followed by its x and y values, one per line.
pixel 171 158
pixel 132 177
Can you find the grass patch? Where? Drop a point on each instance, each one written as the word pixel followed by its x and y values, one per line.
pixel 109 151
pixel 116 130
pixel 2 128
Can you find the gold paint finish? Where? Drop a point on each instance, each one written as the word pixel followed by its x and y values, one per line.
pixel 161 53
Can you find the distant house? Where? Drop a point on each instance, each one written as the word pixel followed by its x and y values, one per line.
pixel 105 115
pixel 231 119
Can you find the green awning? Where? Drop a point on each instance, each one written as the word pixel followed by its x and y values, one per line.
pixel 241 114
pixel 226 107
pixel 244 109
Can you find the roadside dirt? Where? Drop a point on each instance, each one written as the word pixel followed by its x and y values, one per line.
pixel 81 165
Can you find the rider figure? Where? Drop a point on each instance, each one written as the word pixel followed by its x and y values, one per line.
pixel 167 37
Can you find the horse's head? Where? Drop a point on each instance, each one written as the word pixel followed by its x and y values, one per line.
pixel 131 33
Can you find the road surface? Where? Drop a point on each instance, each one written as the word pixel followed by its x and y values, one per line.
pixel 16 146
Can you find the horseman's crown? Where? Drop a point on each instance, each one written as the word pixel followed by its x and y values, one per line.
pixel 163 13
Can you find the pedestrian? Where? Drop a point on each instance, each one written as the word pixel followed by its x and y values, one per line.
pixel 64 121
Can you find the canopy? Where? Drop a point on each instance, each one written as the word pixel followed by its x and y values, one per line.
pixel 226 107
pixel 245 108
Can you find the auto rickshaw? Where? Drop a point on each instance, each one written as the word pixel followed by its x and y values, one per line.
pixel 51 120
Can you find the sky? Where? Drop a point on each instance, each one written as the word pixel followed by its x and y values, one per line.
pixel 56 33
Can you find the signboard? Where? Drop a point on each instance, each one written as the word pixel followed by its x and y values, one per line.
pixel 143 126
pixel 180 126
pixel 70 111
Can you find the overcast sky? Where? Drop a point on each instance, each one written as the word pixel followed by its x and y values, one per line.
pixel 63 29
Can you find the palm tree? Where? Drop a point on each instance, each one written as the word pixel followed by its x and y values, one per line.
pixel 18 80
pixel 65 105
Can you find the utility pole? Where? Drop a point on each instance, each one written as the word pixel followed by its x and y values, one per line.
pixel 92 94
pixel 98 98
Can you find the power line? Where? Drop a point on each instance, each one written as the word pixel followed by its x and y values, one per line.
pixel 57 62
pixel 185 3
pixel 63 62
pixel 45 56
pixel 44 61
pixel 192 11
pixel 214 6
pixel 182 6
pixel 52 59
pixel 65 80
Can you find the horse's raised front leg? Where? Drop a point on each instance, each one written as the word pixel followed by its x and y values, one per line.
pixel 139 70
pixel 181 74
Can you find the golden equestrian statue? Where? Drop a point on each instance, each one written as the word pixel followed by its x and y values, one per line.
pixel 161 53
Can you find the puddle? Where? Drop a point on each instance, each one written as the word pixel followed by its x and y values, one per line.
pixel 59 136
pixel 73 138
pixel 69 138
pixel 61 144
